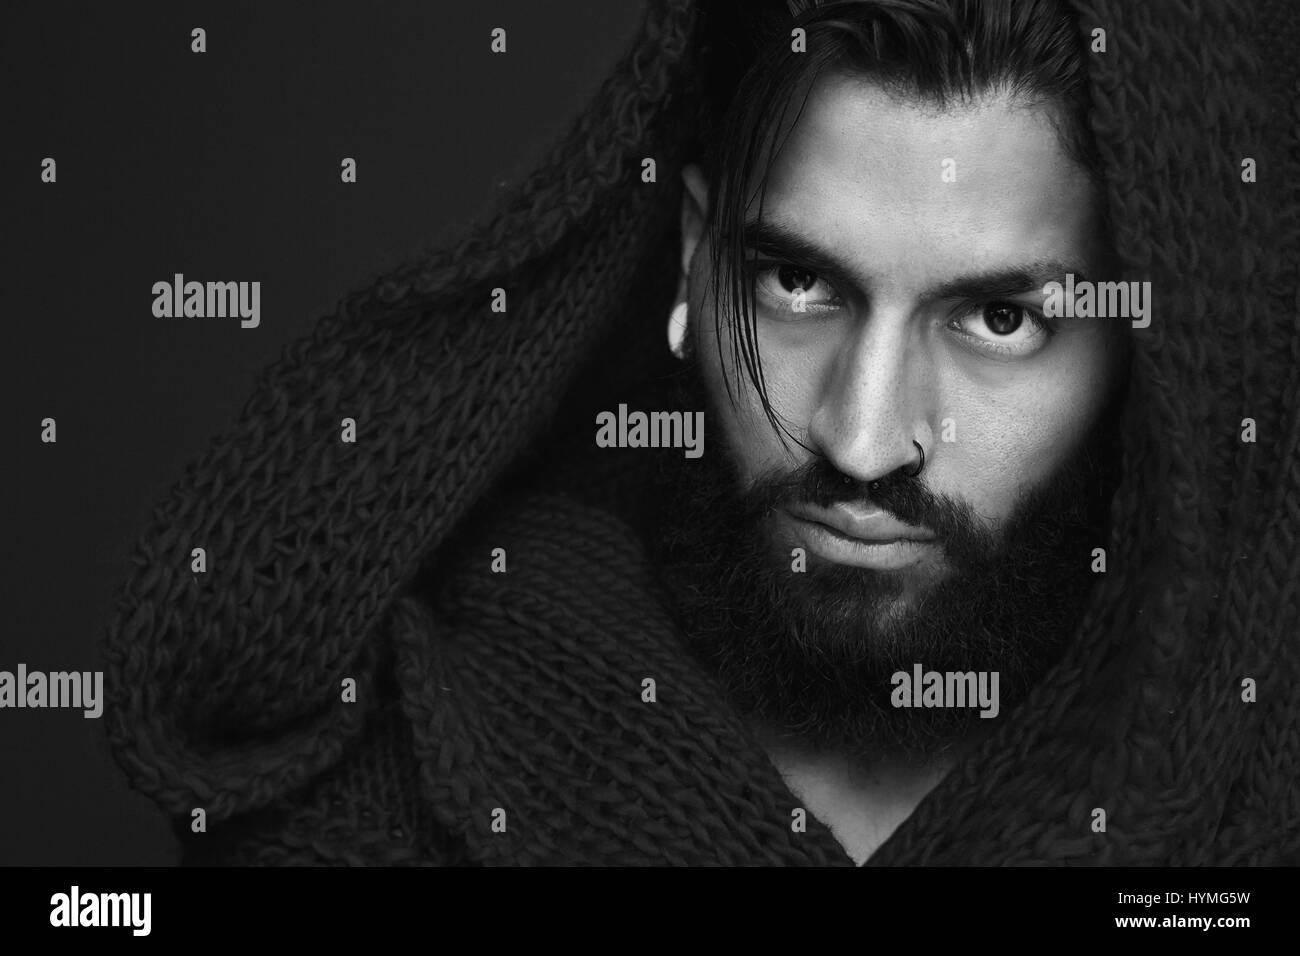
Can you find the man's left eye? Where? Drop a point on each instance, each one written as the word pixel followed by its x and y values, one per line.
pixel 1003 328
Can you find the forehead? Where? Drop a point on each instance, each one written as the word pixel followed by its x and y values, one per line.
pixel 898 184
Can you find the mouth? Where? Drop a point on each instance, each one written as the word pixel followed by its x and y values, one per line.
pixel 860 537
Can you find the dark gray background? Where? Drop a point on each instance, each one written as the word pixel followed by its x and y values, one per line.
pixel 222 166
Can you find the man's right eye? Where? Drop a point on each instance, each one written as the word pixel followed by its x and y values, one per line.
pixel 787 287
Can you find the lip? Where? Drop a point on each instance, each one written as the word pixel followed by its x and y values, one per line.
pixel 862 537
pixel 867 525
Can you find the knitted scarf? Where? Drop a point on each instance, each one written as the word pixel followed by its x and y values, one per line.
pixel 498 717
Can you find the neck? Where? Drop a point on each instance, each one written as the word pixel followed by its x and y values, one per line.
pixel 861 800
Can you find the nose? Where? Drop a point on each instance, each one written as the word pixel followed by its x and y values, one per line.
pixel 874 400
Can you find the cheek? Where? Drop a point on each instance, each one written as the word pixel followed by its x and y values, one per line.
pixel 750 439
pixel 1012 435
pixel 787 373
pixel 753 443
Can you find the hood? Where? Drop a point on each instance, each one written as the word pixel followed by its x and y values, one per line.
pixel 223 687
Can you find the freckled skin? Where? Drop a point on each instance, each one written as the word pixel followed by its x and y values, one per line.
pixel 861 174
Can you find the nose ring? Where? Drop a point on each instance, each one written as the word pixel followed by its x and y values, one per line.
pixel 875 485
pixel 920 464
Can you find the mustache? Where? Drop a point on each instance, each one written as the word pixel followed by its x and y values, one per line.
pixel 953 522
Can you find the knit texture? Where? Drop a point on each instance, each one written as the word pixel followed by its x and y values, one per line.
pixel 521 691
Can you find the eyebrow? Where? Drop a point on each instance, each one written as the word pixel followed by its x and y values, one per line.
pixel 781 242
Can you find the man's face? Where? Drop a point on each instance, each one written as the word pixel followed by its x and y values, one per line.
pixel 921 240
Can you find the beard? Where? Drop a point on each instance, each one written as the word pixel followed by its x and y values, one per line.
pixel 812 652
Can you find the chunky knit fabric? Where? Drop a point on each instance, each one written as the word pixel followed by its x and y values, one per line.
pixel 522 691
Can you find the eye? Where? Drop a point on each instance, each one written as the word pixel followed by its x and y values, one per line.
pixel 787 287
pixel 1003 328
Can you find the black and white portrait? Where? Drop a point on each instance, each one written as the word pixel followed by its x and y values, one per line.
pixel 855 433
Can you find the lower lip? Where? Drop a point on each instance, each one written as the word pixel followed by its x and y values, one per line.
pixel 835 546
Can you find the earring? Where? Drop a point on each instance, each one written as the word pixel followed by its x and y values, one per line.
pixel 677 330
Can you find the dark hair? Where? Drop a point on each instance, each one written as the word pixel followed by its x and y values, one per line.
pixel 938 51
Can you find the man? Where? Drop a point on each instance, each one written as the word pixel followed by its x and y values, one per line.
pixel 934 323
pixel 479 635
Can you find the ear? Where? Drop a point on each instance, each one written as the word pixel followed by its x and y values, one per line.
pixel 695 210
pixel 695 206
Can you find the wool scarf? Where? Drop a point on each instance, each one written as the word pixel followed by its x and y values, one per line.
pixel 499 718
